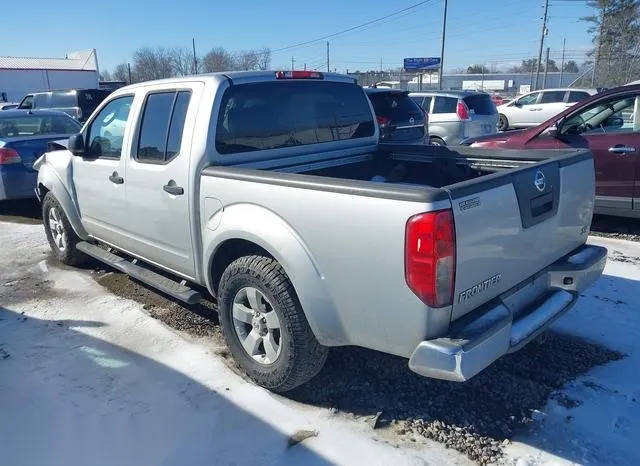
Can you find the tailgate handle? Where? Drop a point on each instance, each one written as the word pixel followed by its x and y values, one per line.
pixel 541 204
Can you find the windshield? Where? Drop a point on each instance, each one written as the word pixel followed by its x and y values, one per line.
pixel 35 125
pixel 614 115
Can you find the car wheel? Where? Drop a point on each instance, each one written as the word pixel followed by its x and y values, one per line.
pixel 61 236
pixel 503 123
pixel 264 325
pixel 436 141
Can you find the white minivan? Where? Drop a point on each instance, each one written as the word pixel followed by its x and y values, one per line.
pixel 537 107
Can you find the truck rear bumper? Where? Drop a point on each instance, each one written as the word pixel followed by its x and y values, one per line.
pixel 479 338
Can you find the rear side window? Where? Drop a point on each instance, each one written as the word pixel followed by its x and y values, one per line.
pixel 577 96
pixel 396 106
pixel 552 97
pixel 271 115
pixel 445 105
pixel 64 99
pixel 162 125
pixel 480 104
pixel 41 100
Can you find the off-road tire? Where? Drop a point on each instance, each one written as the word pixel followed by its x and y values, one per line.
pixel 70 255
pixel 301 356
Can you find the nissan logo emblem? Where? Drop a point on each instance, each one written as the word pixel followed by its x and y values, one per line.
pixel 540 181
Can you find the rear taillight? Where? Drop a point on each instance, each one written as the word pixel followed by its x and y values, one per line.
pixel 430 257
pixel 462 110
pixel 299 75
pixel 382 121
pixel 8 156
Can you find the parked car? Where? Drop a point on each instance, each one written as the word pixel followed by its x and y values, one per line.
pixel 608 125
pixel 533 108
pixel 256 186
pixel 457 115
pixel 400 119
pixel 23 138
pixel 8 105
pixel 78 103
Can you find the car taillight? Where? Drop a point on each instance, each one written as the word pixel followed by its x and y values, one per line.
pixel 8 156
pixel 299 75
pixel 430 257
pixel 462 111
pixel 382 121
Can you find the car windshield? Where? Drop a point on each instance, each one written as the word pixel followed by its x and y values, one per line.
pixel 480 104
pixel 37 125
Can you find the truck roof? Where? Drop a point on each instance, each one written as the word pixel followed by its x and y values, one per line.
pixel 236 76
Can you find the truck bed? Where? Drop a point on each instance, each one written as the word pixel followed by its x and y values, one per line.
pixel 354 228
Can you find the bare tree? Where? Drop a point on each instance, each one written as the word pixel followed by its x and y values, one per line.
pixel 181 61
pixel 616 39
pixel 105 75
pixel 264 59
pixel 246 60
pixel 121 73
pixel 218 59
pixel 152 63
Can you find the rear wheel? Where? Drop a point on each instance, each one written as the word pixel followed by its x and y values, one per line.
pixel 62 239
pixel 436 141
pixel 264 325
pixel 503 123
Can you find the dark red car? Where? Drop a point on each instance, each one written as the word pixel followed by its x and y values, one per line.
pixel 608 124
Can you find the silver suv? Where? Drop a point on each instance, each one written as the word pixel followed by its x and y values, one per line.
pixel 457 115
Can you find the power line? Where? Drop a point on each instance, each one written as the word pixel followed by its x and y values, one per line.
pixel 352 28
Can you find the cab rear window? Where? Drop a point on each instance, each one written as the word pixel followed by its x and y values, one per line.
pixel 272 115
pixel 480 104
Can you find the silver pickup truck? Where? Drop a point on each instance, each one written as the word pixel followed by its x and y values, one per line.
pixel 270 190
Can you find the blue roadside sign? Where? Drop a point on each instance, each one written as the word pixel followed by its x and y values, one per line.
pixel 421 63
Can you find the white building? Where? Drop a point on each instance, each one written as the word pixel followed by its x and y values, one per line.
pixel 21 75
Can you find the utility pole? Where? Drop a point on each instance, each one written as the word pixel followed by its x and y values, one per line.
pixel 543 32
pixel 129 69
pixel 546 68
pixel 195 59
pixel 328 69
pixel 292 62
pixel 305 67
pixel 444 33
pixel 564 44
pixel 380 64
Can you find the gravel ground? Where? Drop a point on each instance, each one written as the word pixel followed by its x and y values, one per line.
pixel 476 418
pixel 616 227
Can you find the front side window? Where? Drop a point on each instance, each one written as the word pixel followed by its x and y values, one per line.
pixel 162 125
pixel 613 116
pixel 27 102
pixel 41 100
pixel 273 115
pixel 106 131
pixel 528 99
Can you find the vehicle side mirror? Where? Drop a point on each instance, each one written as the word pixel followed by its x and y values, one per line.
pixel 554 129
pixel 76 144
pixel 517 103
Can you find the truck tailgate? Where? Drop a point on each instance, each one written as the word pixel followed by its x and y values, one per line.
pixel 511 224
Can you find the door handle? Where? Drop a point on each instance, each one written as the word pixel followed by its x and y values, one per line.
pixel 115 178
pixel 174 189
pixel 622 149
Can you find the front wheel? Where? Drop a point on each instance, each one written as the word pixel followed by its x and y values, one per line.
pixel 264 325
pixel 61 236
pixel 503 123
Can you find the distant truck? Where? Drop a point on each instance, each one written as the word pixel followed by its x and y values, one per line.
pixel 258 186
pixel 78 103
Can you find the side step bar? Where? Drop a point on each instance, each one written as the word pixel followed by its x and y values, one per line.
pixel 161 283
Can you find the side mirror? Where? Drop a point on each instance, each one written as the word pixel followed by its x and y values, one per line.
pixel 516 103
pixel 76 144
pixel 554 129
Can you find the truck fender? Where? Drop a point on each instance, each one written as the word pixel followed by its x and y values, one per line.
pixel 266 229
pixel 48 178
